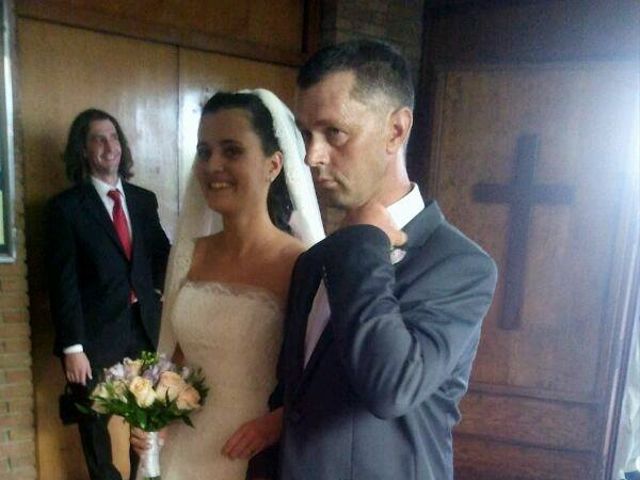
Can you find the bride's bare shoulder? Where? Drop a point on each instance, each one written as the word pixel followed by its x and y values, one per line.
pixel 291 247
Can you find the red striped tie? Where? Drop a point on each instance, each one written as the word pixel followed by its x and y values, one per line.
pixel 120 222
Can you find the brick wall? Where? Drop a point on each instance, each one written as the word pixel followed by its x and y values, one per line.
pixel 17 445
pixel 396 21
pixel 17 435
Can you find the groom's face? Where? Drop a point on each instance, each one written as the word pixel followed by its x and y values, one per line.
pixel 344 138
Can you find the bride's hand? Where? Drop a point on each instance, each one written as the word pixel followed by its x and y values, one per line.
pixel 139 439
pixel 254 436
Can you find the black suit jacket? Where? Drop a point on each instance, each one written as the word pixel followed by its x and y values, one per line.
pixel 90 277
pixel 380 393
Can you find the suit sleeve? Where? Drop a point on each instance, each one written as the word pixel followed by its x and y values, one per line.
pixel 396 356
pixel 159 248
pixel 64 294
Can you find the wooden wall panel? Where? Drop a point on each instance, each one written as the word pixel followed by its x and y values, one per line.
pixel 480 459
pixel 156 92
pixel 63 71
pixel 530 421
pixel 202 74
pixel 267 30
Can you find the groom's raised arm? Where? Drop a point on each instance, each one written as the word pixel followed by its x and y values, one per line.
pixel 398 351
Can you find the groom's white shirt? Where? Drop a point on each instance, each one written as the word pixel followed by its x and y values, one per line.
pixel 401 212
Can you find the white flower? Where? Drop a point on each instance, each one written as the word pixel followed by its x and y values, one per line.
pixel 116 372
pixel 132 368
pixel 120 390
pixel 101 391
pixel 98 395
pixel 142 389
pixel 185 372
pixel 98 406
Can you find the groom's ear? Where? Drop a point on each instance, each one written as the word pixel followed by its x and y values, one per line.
pixel 399 125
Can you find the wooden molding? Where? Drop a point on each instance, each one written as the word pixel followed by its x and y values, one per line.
pixel 191 38
pixel 535 422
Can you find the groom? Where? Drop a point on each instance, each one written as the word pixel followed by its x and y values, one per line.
pixel 384 315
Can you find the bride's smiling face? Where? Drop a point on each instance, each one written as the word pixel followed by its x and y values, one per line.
pixel 233 171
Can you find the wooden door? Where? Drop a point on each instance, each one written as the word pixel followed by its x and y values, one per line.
pixel 540 166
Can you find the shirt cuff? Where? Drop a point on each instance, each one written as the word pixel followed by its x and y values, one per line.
pixel 77 348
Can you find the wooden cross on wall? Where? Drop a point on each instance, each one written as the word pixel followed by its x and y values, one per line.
pixel 522 194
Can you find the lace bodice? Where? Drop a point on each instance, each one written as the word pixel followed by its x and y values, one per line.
pixel 233 332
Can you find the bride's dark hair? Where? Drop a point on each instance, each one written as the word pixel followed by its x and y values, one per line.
pixel 278 199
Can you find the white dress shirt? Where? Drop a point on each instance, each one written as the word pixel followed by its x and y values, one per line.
pixel 103 189
pixel 401 212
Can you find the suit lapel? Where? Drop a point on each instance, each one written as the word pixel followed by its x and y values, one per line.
pixel 422 226
pixel 93 205
pixel 418 231
pixel 311 265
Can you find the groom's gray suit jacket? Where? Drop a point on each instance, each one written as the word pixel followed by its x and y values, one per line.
pixel 380 393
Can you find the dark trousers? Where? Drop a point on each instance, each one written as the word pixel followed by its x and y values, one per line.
pixel 94 435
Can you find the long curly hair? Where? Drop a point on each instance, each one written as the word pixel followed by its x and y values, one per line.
pixel 76 163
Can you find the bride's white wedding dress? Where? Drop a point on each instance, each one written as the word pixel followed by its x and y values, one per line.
pixel 233 332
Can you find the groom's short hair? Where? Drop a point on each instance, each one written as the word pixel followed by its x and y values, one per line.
pixel 378 67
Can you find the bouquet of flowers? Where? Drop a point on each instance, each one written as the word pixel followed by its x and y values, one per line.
pixel 149 393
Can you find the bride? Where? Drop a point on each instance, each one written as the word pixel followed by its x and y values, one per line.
pixel 228 279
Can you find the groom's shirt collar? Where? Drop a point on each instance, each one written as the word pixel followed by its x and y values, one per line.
pixel 402 212
pixel 405 209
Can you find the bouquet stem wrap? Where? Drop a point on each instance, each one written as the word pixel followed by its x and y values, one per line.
pixel 150 459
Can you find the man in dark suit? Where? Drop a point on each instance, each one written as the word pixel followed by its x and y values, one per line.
pixel 384 315
pixel 107 256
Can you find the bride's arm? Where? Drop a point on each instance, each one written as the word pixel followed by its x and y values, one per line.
pixel 254 436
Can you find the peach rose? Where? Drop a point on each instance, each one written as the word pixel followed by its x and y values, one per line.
pixel 189 399
pixel 170 385
pixel 142 389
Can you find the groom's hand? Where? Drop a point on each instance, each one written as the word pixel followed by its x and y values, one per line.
pixel 254 436
pixel 374 213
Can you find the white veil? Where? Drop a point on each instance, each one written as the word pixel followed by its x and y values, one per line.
pixel 196 219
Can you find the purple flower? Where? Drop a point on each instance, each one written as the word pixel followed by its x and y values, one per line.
pixel 165 365
pixel 152 374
